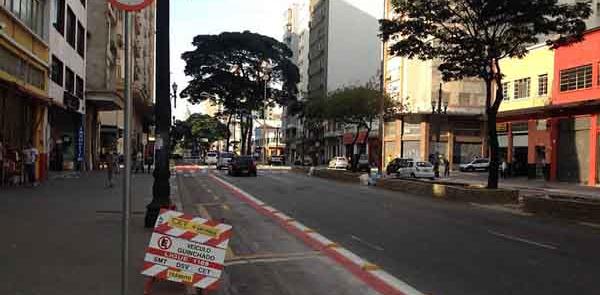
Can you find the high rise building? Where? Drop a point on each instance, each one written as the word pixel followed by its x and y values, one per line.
pixel 344 50
pixel 67 31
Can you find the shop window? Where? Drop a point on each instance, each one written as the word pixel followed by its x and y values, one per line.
pixel 57 71
pixel 71 26
pixel 522 87
pixel 543 85
pixel 390 129
pixel 576 78
pixel 69 80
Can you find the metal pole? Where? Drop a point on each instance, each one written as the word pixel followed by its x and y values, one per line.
pixel 265 124
pixel 127 155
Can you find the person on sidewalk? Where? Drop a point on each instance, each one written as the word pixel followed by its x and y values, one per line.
pixel 139 162
pixel 446 168
pixel 110 165
pixel 503 168
pixel 30 155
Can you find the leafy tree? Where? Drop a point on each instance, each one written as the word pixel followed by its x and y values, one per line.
pixel 469 37
pixel 235 69
pixel 196 127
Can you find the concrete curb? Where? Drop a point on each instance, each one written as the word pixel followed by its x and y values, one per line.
pixel 369 273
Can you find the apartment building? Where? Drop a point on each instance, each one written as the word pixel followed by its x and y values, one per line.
pixel 24 72
pixel 67 31
pixel 344 50
pixel 296 24
pixel 106 74
pixel 456 133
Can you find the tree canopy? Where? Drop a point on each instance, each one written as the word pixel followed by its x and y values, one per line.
pixel 235 69
pixel 196 127
pixel 469 37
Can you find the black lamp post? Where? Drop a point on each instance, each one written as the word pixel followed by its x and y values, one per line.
pixel 174 95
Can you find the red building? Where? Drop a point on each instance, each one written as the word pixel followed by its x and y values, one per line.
pixel 575 108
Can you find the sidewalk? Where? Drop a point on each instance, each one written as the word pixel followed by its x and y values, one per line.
pixel 530 186
pixel 64 237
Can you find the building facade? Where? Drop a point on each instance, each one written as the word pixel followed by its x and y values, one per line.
pixel 454 131
pixel 67 31
pixel 24 72
pixel 296 24
pixel 337 60
pixel 106 76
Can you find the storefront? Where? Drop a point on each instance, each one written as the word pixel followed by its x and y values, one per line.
pixel 66 139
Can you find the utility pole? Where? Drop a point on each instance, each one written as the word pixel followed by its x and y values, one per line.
pixel 127 155
pixel 161 189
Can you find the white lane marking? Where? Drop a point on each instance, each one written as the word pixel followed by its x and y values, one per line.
pixel 501 209
pixel 379 273
pixel 370 245
pixel 526 241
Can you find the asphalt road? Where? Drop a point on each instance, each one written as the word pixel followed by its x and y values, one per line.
pixel 439 247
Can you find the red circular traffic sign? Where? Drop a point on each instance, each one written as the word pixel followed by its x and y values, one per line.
pixel 130 5
pixel 164 243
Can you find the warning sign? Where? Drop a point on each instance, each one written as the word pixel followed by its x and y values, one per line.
pixel 187 249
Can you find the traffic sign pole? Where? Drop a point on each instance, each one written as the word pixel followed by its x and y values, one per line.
pixel 128 167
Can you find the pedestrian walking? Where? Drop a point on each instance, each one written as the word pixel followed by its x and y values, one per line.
pixel 436 168
pixel 446 168
pixel 503 168
pixel 139 162
pixel 110 165
pixel 30 155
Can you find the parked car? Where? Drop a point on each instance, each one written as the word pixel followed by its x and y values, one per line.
pixel 338 163
pixel 242 165
pixel 363 163
pixel 224 158
pixel 476 165
pixel 416 169
pixel 276 160
pixel 212 158
pixel 395 164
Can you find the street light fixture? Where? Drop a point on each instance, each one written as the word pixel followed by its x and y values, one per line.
pixel 174 95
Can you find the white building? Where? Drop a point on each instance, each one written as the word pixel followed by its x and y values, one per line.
pixel 67 38
pixel 345 50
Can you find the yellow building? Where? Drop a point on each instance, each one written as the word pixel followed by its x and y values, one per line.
pixel 528 81
pixel 23 81
pixel 523 128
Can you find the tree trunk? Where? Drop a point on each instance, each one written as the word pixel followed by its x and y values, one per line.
pixel 228 141
pixel 161 189
pixel 354 160
pixel 244 130
pixel 491 115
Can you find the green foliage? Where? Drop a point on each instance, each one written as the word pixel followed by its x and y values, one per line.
pixel 228 69
pixel 195 127
pixel 469 37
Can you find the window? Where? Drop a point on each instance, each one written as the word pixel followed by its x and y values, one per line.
pixel 58 17
pixel 505 92
pixel 80 39
pixel 79 87
pixel 57 71
pixel 16 66
pixel 522 88
pixel 576 78
pixel 69 80
pixel 71 27
pixel 543 85
pixel 30 12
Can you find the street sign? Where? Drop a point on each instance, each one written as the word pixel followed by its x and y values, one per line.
pixel 130 5
pixel 187 249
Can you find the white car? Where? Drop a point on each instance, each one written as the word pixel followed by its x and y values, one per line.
pixel 477 164
pixel 338 163
pixel 416 169
pixel 224 158
pixel 212 158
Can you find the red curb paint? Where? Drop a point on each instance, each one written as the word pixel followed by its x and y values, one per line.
pixel 371 280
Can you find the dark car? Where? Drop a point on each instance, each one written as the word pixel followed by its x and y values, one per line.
pixel 242 165
pixel 363 163
pixel 276 160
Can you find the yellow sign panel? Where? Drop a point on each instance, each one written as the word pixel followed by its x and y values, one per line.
pixel 179 275
pixel 198 228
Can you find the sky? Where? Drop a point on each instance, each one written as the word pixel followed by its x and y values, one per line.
pixel 194 17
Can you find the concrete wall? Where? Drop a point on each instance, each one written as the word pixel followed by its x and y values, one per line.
pixel 65 52
pixel 354 49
